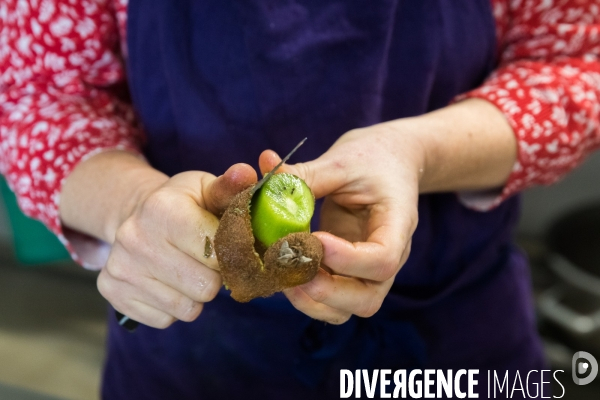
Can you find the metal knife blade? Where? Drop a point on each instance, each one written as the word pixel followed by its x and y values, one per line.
pixel 270 174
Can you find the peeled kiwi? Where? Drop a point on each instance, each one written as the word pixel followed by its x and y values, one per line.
pixel 283 205
pixel 279 260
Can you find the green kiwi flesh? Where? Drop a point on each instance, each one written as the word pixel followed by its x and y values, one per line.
pixel 249 274
pixel 283 205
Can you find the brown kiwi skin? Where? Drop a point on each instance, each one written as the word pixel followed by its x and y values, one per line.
pixel 244 271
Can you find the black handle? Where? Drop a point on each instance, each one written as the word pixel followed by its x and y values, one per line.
pixel 126 322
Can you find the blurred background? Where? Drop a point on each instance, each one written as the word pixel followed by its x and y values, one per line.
pixel 52 319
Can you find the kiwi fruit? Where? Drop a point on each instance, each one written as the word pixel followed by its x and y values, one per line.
pixel 283 205
pixel 263 243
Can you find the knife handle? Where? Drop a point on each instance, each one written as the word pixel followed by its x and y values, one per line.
pixel 126 322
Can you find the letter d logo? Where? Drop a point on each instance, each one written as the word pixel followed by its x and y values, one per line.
pixel 590 365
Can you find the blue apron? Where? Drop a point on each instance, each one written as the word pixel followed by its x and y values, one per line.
pixel 215 82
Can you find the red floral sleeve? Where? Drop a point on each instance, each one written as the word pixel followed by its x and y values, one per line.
pixel 548 86
pixel 60 67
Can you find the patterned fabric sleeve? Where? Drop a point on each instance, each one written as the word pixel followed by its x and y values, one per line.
pixel 548 87
pixel 60 72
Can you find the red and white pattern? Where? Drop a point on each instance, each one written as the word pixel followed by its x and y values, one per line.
pixel 61 65
pixel 548 86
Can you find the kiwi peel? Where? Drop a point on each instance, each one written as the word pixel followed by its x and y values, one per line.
pixel 252 269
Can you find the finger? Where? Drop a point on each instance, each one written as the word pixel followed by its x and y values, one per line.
pixel 166 264
pixel 181 222
pixel 145 314
pixel 357 296
pixel 189 220
pixel 269 160
pixel 214 194
pixel 346 294
pixel 319 311
pixel 117 293
pixel 406 253
pixel 192 230
pixel 221 190
pixel 323 176
pixel 390 227
pixel 151 293
pixel 186 275
pixel 164 298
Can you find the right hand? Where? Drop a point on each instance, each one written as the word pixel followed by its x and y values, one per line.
pixel 157 272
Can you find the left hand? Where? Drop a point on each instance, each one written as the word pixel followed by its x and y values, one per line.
pixel 370 181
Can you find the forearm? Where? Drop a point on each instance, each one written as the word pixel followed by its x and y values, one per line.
pixel 102 190
pixel 466 146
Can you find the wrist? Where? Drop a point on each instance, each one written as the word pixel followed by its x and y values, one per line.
pixel 102 191
pixel 466 146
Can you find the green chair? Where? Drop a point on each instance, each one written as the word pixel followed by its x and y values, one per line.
pixel 34 244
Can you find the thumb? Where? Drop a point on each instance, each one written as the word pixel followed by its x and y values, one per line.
pixel 321 175
pixel 220 191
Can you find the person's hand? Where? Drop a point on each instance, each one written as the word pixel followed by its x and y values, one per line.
pixel 158 271
pixel 369 178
